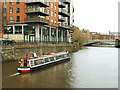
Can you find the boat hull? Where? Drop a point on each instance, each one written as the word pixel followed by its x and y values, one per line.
pixel 46 65
pixel 23 70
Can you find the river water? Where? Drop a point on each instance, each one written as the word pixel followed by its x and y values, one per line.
pixel 92 67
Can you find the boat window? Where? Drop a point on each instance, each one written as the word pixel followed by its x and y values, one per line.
pixel 65 55
pixel 36 62
pixel 51 58
pixel 42 61
pixel 57 57
pixel 62 56
pixel 46 60
pixel 31 62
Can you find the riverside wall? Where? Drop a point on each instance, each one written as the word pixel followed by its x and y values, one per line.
pixel 12 53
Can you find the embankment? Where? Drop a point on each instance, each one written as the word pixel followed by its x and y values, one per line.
pixel 15 52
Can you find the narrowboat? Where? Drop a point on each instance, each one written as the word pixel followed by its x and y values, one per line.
pixel 42 61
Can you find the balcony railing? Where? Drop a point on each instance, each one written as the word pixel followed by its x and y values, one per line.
pixel 37 20
pixel 64 12
pixel 67 1
pixel 63 25
pixel 40 2
pixel 61 5
pixel 36 10
pixel 54 24
pixel 61 19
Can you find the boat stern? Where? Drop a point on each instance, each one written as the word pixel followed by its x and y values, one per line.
pixel 23 70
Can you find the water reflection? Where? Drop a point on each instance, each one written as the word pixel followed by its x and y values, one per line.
pixel 88 68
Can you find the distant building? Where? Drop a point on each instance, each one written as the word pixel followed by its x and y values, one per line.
pixel 99 36
pixel 116 34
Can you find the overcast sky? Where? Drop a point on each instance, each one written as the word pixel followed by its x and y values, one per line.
pixel 96 15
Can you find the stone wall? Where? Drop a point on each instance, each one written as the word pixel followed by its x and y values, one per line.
pixel 13 53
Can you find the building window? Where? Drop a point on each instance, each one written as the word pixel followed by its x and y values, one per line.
pixel 48 3
pixel 48 18
pixel 55 7
pixel 18 10
pixel 18 2
pixel 52 5
pixel 18 19
pixel 66 19
pixel 55 22
pixel 48 11
pixel 11 9
pixel 51 13
pixel 52 21
pixel 55 14
pixel 8 30
pixel 18 29
pixel 11 18
pixel 11 2
pixel 60 17
pixel 66 8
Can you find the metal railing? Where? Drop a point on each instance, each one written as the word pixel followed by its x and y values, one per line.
pixel 39 19
pixel 67 1
pixel 64 11
pixel 35 43
pixel 32 1
pixel 61 4
pixel 54 24
pixel 35 10
pixel 63 25
pixel 61 18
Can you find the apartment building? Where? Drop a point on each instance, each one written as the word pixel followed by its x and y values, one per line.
pixel 116 34
pixel 37 20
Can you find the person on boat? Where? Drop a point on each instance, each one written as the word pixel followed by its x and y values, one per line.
pixel 67 51
pixel 34 55
pixel 19 61
pixel 26 58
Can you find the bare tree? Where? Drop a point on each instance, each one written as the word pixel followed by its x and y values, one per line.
pixel 80 36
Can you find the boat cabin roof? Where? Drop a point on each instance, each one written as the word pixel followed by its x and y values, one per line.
pixel 47 56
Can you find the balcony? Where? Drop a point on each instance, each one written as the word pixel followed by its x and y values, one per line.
pixel 37 20
pixel 37 11
pixel 61 5
pixel 54 24
pixel 41 3
pixel 67 1
pixel 64 26
pixel 64 13
pixel 61 19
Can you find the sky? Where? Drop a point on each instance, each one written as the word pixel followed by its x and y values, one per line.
pixel 96 15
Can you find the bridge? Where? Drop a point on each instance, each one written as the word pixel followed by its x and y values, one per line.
pixel 90 42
